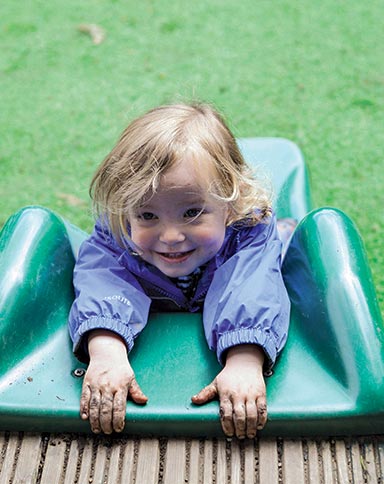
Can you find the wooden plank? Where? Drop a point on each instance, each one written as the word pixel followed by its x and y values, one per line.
pixel 268 461
pixel 148 462
pixel 3 443
pixel 380 451
pixel 293 467
pixel 236 477
pixel 370 462
pixel 314 465
pixel 99 462
pixel 342 463
pixel 54 461
pixel 128 463
pixel 86 461
pixel 221 461
pixel 249 462
pixel 208 462
pixel 328 471
pixel 175 470
pixel 194 463
pixel 9 458
pixel 114 464
pixel 357 461
pixel 28 460
pixel 72 462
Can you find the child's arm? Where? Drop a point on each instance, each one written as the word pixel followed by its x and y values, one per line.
pixel 108 295
pixel 107 383
pixel 247 307
pixel 241 390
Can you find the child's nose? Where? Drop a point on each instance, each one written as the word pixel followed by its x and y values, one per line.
pixel 171 234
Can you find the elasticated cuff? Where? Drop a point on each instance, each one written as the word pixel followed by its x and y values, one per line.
pixel 80 346
pixel 248 336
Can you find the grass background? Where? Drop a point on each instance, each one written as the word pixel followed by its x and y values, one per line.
pixel 308 71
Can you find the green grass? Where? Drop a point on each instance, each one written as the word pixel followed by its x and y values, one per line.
pixel 308 71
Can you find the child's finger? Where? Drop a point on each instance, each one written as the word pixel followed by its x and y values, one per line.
pixel 226 417
pixel 251 411
pixel 239 419
pixel 106 409
pixel 262 413
pixel 205 395
pixel 94 411
pixel 84 402
pixel 119 409
pixel 136 393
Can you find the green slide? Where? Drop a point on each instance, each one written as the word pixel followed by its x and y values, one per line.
pixel 329 379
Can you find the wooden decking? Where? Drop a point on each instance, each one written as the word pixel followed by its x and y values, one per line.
pixel 69 458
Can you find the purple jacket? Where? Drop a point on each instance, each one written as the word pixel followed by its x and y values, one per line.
pixel 241 292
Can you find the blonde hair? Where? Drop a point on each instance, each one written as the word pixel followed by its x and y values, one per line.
pixel 153 143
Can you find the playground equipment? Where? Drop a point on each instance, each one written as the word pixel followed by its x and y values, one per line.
pixel 329 379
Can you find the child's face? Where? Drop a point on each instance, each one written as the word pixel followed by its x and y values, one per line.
pixel 181 226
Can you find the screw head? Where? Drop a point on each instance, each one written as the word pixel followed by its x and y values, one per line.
pixel 78 372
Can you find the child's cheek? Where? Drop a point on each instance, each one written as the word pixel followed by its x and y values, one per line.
pixel 140 237
pixel 212 240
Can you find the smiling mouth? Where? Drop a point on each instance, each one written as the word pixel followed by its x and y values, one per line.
pixel 175 256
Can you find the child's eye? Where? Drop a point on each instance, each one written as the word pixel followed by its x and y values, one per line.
pixel 193 212
pixel 146 216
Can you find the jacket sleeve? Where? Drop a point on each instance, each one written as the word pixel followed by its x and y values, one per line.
pixel 107 295
pixel 247 302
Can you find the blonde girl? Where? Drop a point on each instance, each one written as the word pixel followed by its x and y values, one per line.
pixel 182 225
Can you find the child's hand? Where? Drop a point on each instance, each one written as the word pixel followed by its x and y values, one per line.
pixel 107 383
pixel 241 390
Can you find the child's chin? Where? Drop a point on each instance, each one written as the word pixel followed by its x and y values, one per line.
pixel 177 271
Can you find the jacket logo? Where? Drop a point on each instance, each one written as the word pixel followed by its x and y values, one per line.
pixel 117 297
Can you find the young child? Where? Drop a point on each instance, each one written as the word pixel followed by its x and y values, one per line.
pixel 183 225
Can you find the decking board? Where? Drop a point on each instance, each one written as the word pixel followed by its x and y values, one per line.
pixel 79 459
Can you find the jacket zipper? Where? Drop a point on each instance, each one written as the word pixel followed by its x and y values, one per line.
pixel 168 295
